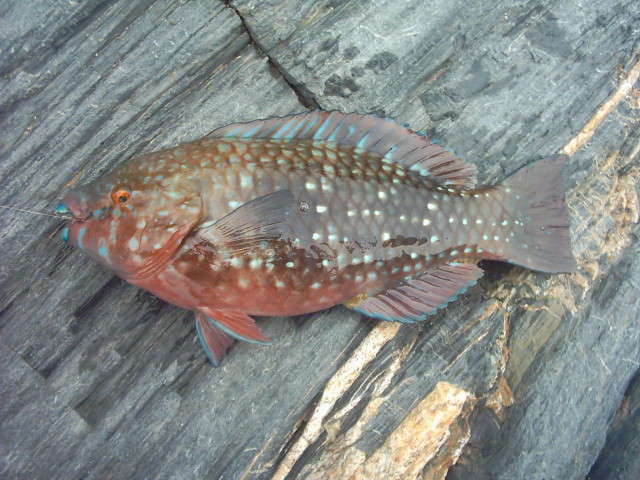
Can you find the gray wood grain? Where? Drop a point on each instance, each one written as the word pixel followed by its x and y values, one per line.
pixel 101 380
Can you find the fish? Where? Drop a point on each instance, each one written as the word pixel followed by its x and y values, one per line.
pixel 295 214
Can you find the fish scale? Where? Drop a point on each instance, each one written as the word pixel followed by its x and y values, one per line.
pixel 295 214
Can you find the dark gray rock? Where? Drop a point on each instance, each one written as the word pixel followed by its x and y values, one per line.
pixel 619 458
pixel 102 380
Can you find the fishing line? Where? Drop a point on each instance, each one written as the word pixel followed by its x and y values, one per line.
pixel 60 216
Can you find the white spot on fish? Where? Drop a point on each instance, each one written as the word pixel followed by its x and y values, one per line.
pixel 479 221
pixel 279 284
pixel 350 213
pixel 426 222
pixel 432 206
pixel 368 258
pixel 403 218
pixel 315 285
pixel 133 243
pixel 290 264
pixel 332 237
pixel 236 262
pixel 453 253
pixel 485 237
pixel 434 239
pixel 141 224
pixel 467 250
pixel 234 204
pixel 316 236
pixel 321 208
pixel 382 195
pixel 310 186
pixel 246 180
pixel 366 212
pixel 385 236
pixel 163 213
pixel 255 263
pixel 372 275
pixel 356 261
pixel 505 223
pixel 451 219
pixel 414 255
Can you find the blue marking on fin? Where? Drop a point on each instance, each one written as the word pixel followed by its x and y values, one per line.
pixel 377 316
pixel 322 128
pixel 389 154
pixel 351 129
pixel 65 234
pixel 62 208
pixel 250 132
pixel 309 126
pixel 205 347
pixel 333 136
pixel 81 233
pixel 116 212
pixel 232 133
pixel 294 130
pixel 103 251
pixel 282 129
pixel 159 177
pixel 361 143
pixel 235 335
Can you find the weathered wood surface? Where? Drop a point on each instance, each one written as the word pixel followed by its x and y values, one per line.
pixel 101 380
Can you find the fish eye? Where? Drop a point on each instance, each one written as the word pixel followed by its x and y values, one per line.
pixel 120 196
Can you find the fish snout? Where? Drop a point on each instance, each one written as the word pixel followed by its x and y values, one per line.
pixel 74 204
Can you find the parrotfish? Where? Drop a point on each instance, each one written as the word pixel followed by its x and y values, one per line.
pixel 295 214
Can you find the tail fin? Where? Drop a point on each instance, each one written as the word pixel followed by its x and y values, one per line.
pixel 535 196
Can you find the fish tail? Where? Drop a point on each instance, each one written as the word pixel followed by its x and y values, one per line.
pixel 540 238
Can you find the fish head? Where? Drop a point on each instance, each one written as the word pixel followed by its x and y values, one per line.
pixel 130 222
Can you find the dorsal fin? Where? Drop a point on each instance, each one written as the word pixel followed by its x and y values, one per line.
pixel 380 136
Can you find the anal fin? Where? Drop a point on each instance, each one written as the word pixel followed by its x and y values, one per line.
pixel 415 299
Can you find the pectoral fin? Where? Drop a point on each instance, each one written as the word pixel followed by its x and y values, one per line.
pixel 266 218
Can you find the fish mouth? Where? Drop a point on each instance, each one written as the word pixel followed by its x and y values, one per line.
pixel 74 206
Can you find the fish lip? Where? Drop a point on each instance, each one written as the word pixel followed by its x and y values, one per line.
pixel 74 206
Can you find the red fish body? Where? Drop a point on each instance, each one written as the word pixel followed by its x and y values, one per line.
pixel 296 214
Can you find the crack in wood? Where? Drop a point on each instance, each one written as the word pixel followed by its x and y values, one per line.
pixel 305 96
